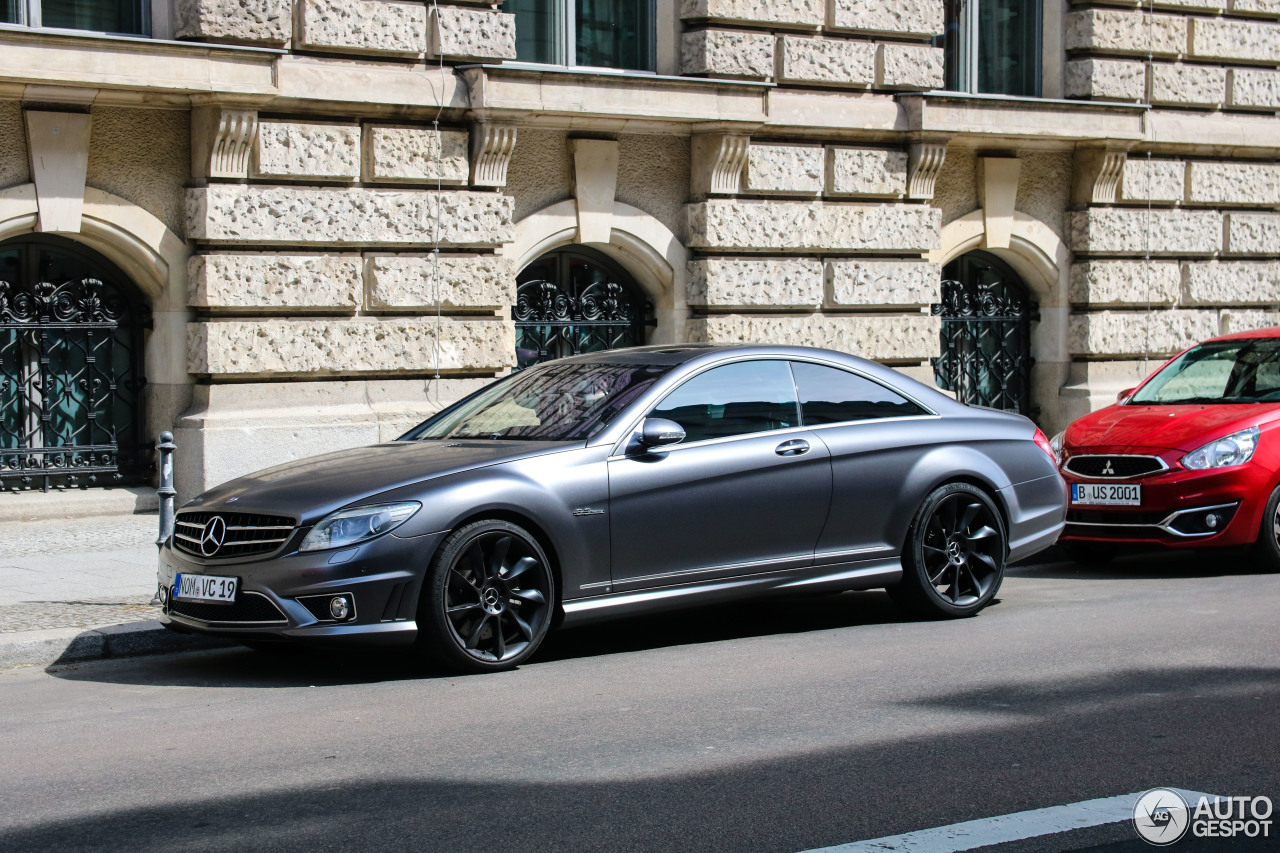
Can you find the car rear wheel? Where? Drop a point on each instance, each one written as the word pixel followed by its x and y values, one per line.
pixel 954 560
pixel 1267 549
pixel 488 600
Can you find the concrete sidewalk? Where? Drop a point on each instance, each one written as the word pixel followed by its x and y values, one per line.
pixel 77 589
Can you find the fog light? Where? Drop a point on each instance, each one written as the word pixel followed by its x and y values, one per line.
pixel 1211 520
pixel 339 608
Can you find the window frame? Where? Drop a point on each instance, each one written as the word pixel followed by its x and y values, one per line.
pixel 624 445
pixel 566 45
pixel 968 51
pixel 31 17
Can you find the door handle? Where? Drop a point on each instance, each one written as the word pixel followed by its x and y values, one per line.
pixel 795 447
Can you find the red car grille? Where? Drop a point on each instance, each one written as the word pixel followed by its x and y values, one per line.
pixel 1119 466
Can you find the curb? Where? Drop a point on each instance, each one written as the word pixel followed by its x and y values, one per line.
pixel 76 645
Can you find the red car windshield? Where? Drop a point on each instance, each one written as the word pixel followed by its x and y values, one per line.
pixel 1236 371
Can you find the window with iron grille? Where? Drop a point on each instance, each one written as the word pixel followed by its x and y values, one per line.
pixel 576 300
pixel 71 374
pixel 986 334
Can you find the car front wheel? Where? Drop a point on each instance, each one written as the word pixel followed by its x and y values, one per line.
pixel 954 559
pixel 488 598
pixel 1267 549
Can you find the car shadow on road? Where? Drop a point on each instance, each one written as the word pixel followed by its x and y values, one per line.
pixel 297 666
pixel 1139 565
pixel 1032 745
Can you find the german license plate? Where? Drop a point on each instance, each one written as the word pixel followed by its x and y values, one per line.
pixel 1105 494
pixel 205 588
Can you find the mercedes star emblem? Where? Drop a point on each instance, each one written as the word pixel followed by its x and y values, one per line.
pixel 215 531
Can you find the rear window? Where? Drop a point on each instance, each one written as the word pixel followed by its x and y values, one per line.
pixel 830 396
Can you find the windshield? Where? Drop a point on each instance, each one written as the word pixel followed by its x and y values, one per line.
pixel 1237 371
pixel 553 402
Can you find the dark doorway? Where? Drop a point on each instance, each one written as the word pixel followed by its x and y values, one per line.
pixel 576 300
pixel 71 368
pixel 986 334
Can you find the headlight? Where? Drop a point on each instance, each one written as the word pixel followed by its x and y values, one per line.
pixel 350 526
pixel 1056 444
pixel 1234 449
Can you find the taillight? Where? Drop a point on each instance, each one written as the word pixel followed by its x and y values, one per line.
pixel 1042 441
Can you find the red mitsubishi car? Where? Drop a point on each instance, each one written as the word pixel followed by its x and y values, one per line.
pixel 1188 459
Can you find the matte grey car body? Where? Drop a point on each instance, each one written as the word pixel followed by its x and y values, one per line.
pixel 625 527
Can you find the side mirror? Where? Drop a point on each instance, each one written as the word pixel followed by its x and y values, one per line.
pixel 1125 394
pixel 658 432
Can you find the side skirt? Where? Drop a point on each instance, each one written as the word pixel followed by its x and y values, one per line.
pixel 831 578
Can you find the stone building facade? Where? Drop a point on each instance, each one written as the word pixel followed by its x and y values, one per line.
pixel 331 212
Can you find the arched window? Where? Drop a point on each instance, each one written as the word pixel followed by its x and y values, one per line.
pixel 71 375
pixel 986 334
pixel 576 300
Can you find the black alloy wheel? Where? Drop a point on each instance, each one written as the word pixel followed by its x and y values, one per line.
pixel 489 599
pixel 955 556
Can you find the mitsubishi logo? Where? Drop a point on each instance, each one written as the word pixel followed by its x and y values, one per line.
pixel 215 530
pixel 1108 470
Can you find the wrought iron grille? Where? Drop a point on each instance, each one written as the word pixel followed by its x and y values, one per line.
pixel 71 374
pixel 986 334
pixel 576 301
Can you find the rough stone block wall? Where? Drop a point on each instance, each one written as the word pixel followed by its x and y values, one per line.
pixel 1206 54
pixel 875 44
pixel 260 22
pixel 835 259
pixel 416 155
pixel 472 34
pixel 727 53
pixel 1189 250
pixel 362 26
pixel 292 281
pixel 297 149
pixel 240 348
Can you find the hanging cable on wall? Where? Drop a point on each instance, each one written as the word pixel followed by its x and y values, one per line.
pixel 1146 346
pixel 433 395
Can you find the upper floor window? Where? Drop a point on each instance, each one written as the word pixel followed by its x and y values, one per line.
pixel 596 33
pixel 127 17
pixel 993 47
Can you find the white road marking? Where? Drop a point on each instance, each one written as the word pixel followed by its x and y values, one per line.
pixel 1004 828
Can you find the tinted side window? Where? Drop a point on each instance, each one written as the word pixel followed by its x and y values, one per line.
pixel 829 396
pixel 751 396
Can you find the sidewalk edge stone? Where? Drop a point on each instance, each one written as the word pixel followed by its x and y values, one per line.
pixel 76 645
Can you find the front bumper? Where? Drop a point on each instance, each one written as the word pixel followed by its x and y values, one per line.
pixel 283 596
pixel 1177 504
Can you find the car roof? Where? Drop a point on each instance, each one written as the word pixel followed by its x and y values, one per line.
pixel 1269 332
pixel 682 353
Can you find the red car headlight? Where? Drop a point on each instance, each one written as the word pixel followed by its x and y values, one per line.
pixel 1234 449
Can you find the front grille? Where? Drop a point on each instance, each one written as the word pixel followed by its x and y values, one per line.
pixel 243 534
pixel 1119 466
pixel 1102 516
pixel 249 607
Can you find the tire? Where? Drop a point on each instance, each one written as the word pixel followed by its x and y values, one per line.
pixel 1266 551
pixel 955 554
pixel 488 600
pixel 1088 552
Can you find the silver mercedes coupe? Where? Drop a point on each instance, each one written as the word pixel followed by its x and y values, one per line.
pixel 617 483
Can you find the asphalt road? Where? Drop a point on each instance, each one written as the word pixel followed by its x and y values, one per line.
pixel 780 726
